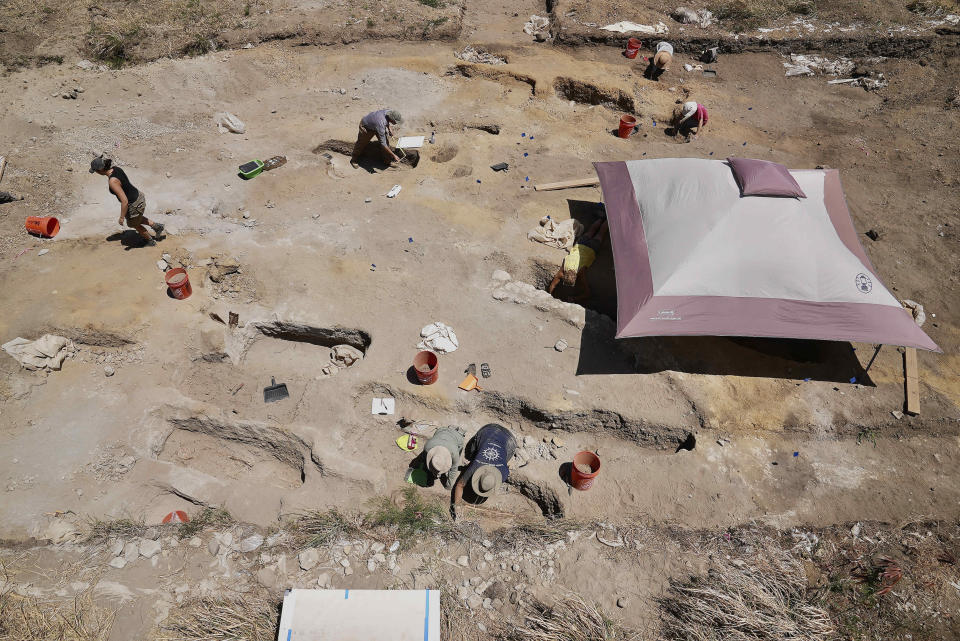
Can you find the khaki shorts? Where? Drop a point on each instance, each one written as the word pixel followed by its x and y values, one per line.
pixel 135 212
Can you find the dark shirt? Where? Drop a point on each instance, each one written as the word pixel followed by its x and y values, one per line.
pixel 129 190
pixel 376 121
pixel 492 445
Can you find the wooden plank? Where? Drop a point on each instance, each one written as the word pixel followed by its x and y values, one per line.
pixel 912 380
pixel 3 165
pixel 567 184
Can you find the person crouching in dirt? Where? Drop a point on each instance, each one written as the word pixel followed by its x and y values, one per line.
pixel 660 62
pixel 443 452
pixel 573 270
pixel 689 116
pixel 133 204
pixel 489 451
pixel 379 124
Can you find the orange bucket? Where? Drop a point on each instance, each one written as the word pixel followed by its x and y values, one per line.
pixel 44 226
pixel 579 478
pixel 627 123
pixel 427 367
pixel 179 283
pixel 633 46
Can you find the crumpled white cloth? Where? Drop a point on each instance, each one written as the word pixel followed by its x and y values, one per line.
pixel 47 352
pixel 556 234
pixel 916 310
pixel 625 26
pixel 535 25
pixel 438 338
pixel 228 122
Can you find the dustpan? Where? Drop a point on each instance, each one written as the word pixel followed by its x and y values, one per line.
pixel 470 383
pixel 275 392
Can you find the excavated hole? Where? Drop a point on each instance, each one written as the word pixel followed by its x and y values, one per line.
pixel 590 94
pixel 445 153
pixel 254 451
pixel 688 444
pixel 496 74
pixel 290 350
pixel 244 463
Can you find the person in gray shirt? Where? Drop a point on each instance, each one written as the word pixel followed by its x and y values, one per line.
pixel 377 123
pixel 443 455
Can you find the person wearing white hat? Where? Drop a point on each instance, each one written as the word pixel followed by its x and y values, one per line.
pixel 660 62
pixel 689 116
pixel 490 450
pixel 443 455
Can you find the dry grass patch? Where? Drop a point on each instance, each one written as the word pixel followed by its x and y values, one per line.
pixel 33 619
pixel 760 599
pixel 251 617
pixel 570 618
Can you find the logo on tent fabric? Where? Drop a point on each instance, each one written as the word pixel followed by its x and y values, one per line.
pixel 863 282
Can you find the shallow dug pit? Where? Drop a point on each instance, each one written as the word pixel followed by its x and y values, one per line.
pixel 230 460
pixel 590 94
pixel 288 350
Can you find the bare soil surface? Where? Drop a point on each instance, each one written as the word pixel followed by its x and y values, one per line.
pixel 161 407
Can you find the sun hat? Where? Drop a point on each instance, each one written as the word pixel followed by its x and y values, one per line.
pixel 395 116
pixel 439 460
pixel 485 480
pixel 689 109
pixel 662 59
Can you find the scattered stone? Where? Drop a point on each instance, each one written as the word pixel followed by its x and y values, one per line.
pixel 561 345
pixel 131 551
pixel 345 562
pixel 44 251
pixel 394 547
pixel 514 597
pixel 477 580
pixel 463 561
pixel 308 559
pixel 195 542
pixel 119 563
pixel 622 602
pixel 347 571
pixel 323 580
pixel 226 538
pixel 897 414
pixel 488 557
pixel 474 601
pixel 463 593
pixel 557 441
pixel 487 604
pixel 151 533
pixel 149 548
pixel 115 548
pixel 267 577
pixel 371 565
pixel 108 371
pixel 213 547
pixel 251 543
pixel 515 567
pixel 377 547
pixel 368 200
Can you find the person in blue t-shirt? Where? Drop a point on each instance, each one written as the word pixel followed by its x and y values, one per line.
pixel 489 451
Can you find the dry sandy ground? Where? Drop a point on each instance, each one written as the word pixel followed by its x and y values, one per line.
pixel 783 437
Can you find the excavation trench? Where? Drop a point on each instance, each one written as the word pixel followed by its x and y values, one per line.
pixel 590 94
pixel 289 350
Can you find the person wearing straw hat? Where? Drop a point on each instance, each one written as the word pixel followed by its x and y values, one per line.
pixel 489 451
pixel 689 116
pixel 133 204
pixel 443 451
pixel 379 124
pixel 660 62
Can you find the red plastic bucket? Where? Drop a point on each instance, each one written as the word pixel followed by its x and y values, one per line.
pixel 579 478
pixel 179 283
pixel 427 367
pixel 627 123
pixel 47 227
pixel 633 46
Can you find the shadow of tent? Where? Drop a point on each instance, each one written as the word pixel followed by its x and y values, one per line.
pixel 796 359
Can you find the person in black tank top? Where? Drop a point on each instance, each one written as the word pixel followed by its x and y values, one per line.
pixel 133 203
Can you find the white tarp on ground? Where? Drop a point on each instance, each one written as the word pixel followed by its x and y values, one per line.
pixel 360 615
pixel 46 353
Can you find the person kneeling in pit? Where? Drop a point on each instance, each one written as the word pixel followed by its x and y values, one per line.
pixel 489 451
pixel 573 270
pixel 443 452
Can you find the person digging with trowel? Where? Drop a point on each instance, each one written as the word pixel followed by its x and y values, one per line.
pixel 489 451
pixel 660 62
pixel 443 455
pixel 133 203
pixel 689 116
pixel 573 270
pixel 379 124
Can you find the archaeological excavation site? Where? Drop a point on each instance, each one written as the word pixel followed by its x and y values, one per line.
pixel 543 320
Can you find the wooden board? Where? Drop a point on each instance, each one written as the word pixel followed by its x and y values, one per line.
pixel 567 184
pixel 3 165
pixel 912 380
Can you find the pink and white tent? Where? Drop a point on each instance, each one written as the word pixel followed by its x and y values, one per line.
pixel 693 257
